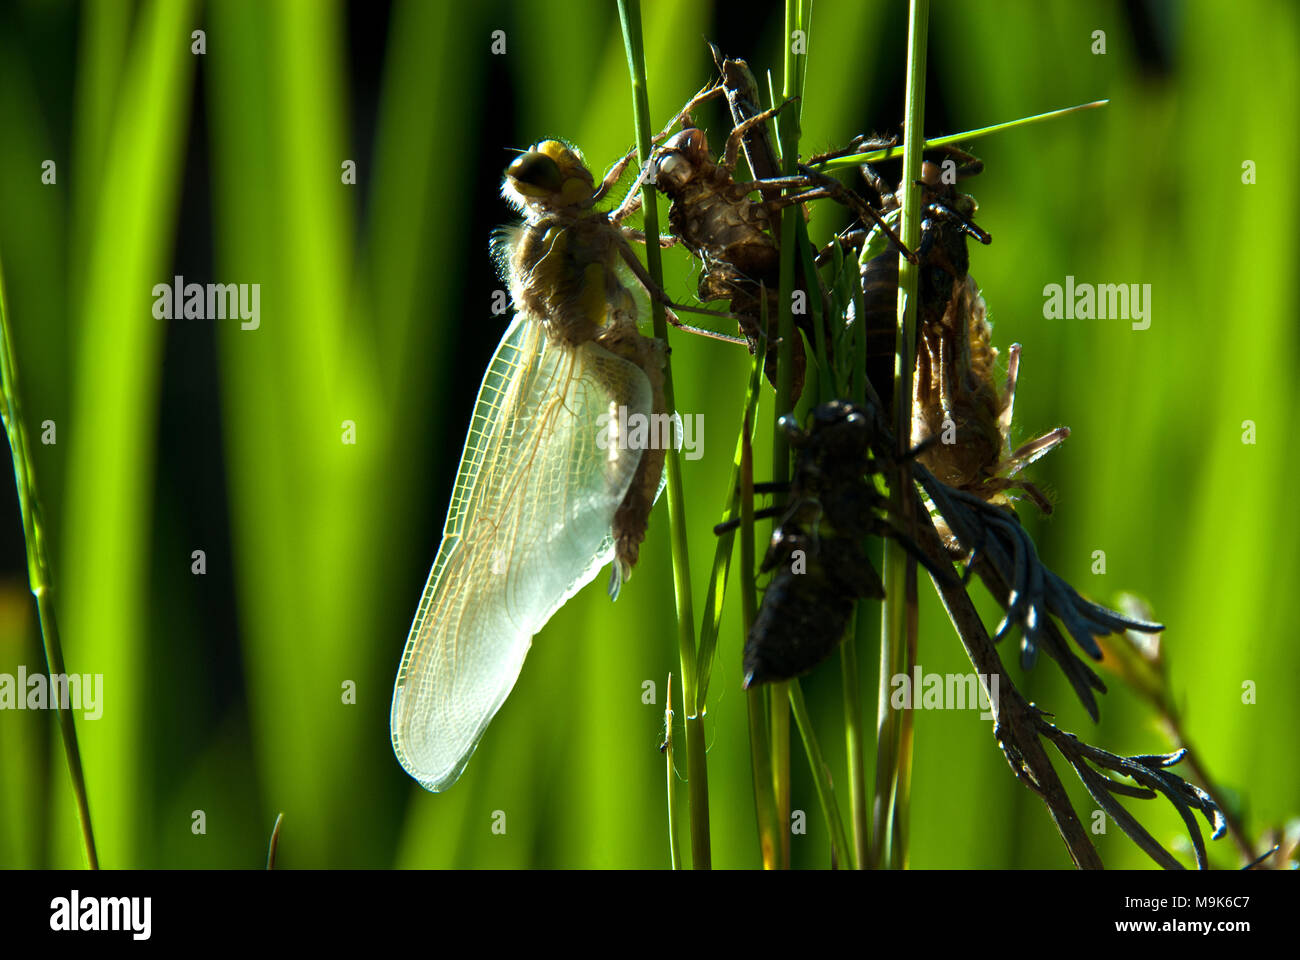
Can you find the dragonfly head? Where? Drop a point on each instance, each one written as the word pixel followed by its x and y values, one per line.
pixel 548 175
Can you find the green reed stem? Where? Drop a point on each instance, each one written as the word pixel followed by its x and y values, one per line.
pixel 966 136
pixel 893 643
pixel 717 591
pixel 760 747
pixel 674 846
pixel 629 13
pixel 821 776
pixel 900 829
pixel 274 846
pixel 854 740
pixel 853 744
pixel 38 566
pixel 740 504
pixel 788 130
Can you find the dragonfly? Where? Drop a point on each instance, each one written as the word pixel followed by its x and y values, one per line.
pixel 547 492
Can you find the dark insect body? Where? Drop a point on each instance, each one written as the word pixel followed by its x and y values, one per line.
pixel 817 550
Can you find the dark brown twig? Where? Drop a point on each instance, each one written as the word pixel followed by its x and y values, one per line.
pixel 1018 725
pixel 1014 723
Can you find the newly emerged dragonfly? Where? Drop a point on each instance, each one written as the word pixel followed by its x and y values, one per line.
pixel 540 503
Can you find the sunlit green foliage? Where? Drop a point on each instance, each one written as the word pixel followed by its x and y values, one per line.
pixel 365 315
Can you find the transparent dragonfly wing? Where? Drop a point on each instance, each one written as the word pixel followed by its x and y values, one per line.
pixel 529 526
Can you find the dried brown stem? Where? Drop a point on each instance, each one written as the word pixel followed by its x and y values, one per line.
pixel 1014 719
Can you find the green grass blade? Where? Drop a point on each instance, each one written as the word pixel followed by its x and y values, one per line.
pixel 893 619
pixel 117 364
pixel 630 16
pixel 38 565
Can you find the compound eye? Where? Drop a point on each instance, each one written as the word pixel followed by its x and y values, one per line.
pixel 536 170
pixel 695 139
pixel 557 150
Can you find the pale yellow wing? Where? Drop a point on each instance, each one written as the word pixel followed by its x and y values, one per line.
pixel 529 526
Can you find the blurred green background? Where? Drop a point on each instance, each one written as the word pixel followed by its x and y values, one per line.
pixel 224 692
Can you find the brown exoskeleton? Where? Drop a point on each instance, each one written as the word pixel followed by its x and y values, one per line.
pixel 730 226
pixel 955 398
pixel 945 225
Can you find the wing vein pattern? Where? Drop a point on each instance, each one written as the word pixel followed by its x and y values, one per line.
pixel 528 526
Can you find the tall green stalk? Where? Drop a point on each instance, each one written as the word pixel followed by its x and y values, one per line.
pixel 629 12
pixel 853 745
pixel 38 566
pixel 820 774
pixel 760 747
pixel 852 161
pixel 855 638
pixel 894 618
pixel 788 128
pixel 674 847
pixel 901 826
pixel 713 600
